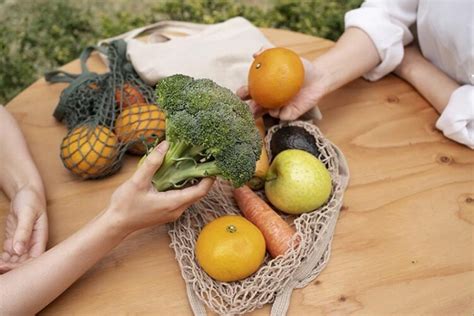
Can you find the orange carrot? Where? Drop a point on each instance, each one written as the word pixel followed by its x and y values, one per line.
pixel 275 230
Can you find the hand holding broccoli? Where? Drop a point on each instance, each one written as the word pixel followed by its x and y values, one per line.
pixel 136 204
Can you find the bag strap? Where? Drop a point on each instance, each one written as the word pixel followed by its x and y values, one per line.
pixel 56 76
pixel 160 28
pixel 197 306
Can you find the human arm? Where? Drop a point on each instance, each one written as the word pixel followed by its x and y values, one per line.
pixel 134 205
pixel 371 46
pixel 430 82
pixel 455 103
pixel 26 230
pixel 327 73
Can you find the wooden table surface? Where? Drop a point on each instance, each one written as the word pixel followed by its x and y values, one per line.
pixel 403 243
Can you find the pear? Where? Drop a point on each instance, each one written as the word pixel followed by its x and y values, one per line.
pixel 297 182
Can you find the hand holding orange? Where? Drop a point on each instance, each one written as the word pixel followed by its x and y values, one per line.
pixel 275 77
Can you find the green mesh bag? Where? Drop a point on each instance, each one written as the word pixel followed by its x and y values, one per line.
pixel 106 114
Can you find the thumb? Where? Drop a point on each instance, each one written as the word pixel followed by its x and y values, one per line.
pixel 152 163
pixel 23 231
pixel 261 50
pixel 300 104
pixel 243 93
pixel 289 113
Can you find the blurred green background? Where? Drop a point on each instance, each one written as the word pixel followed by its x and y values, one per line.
pixel 39 35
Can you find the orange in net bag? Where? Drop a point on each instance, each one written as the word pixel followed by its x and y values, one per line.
pixel 275 280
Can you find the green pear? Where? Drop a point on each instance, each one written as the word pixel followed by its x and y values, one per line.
pixel 297 182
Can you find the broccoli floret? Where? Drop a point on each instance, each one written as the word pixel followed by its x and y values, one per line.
pixel 210 131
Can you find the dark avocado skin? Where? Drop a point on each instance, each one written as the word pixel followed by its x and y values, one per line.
pixel 269 121
pixel 293 137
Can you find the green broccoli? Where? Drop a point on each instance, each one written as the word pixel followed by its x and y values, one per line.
pixel 210 131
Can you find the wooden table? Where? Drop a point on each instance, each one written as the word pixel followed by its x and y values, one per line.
pixel 403 243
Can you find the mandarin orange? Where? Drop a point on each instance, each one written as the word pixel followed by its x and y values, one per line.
pixel 276 76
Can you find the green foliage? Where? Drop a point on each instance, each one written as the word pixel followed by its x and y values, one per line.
pixel 209 11
pixel 39 35
pixel 315 17
pixel 211 132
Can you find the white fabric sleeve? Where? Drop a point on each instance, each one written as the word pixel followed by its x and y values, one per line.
pixel 387 24
pixel 457 120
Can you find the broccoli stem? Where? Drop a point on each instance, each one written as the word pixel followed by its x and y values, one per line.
pixel 181 165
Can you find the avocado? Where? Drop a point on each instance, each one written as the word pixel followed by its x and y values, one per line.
pixel 269 121
pixel 293 137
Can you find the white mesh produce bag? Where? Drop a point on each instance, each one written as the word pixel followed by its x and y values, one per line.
pixel 276 278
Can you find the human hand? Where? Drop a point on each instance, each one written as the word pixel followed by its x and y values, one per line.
pixel 306 99
pixel 137 204
pixel 26 232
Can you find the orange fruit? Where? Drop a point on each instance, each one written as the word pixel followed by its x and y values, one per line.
pixel 230 248
pixel 89 151
pixel 276 76
pixel 140 125
pixel 128 95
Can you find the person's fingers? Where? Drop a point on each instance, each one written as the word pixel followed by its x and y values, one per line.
pixel 5 257
pixel 256 109
pixel 5 267
pixel 261 50
pixel 10 225
pixel 24 229
pixel 243 93
pixel 274 112
pixel 8 245
pixel 188 195
pixel 289 113
pixel 152 163
pixel 8 266
pixel 14 259
pixel 23 258
pixel 174 215
pixel 40 236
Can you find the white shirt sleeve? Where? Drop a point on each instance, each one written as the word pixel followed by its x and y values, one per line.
pixel 387 24
pixel 457 120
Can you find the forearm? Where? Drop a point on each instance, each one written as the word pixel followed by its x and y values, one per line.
pixel 50 274
pixel 428 80
pixel 17 168
pixel 353 55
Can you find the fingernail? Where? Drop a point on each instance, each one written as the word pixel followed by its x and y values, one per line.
pixel 19 247
pixel 162 147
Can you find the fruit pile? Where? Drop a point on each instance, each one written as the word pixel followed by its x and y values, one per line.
pixel 289 176
pixel 295 182
pixel 91 150
pixel 106 114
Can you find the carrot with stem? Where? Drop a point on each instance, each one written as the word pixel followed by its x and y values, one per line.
pixel 276 231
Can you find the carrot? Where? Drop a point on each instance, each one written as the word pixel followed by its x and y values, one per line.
pixel 258 179
pixel 275 230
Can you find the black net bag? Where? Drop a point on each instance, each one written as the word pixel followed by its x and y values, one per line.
pixel 106 114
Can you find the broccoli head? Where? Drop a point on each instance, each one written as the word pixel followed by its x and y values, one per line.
pixel 210 131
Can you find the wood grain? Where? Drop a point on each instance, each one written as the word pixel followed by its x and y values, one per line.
pixel 403 244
